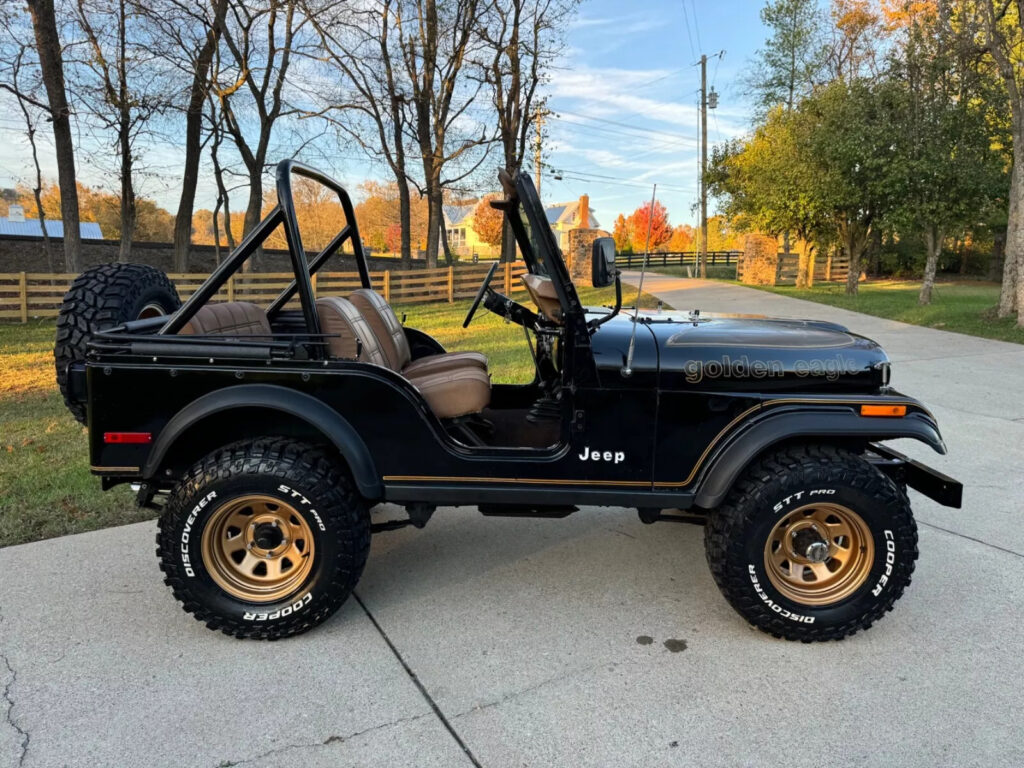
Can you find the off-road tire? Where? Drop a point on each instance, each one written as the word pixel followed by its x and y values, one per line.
pixel 321 490
pixel 737 533
pixel 100 298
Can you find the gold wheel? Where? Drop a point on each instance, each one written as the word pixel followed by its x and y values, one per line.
pixel 819 554
pixel 258 548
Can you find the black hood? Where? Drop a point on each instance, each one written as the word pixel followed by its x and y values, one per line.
pixel 742 352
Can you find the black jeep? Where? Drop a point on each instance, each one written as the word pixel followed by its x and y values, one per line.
pixel 265 435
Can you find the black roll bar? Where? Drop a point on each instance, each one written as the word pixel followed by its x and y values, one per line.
pixel 283 213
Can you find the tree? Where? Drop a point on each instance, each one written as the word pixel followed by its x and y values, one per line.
pixel 121 92
pixel 856 32
pixel 681 240
pixel 622 234
pixel 262 38
pixel 361 42
pixel 489 222
pixel 522 38
pixel 436 41
pixel 379 217
pixel 191 32
pixel 660 229
pixel 947 171
pixel 51 65
pixel 788 65
pixel 1002 29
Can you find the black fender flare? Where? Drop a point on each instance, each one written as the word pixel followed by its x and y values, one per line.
pixel 775 428
pixel 320 417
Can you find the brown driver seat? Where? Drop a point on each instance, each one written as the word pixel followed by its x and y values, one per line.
pixel 456 389
pixel 230 318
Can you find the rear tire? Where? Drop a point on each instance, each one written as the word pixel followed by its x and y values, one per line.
pixel 264 539
pixel 100 298
pixel 812 543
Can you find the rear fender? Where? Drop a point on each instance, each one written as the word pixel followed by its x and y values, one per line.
pixel 809 426
pixel 319 417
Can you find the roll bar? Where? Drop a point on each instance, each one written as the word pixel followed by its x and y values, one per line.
pixel 283 213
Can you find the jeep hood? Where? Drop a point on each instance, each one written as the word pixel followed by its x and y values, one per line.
pixel 742 352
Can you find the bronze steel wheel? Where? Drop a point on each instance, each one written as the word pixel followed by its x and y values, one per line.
pixel 258 548
pixel 819 554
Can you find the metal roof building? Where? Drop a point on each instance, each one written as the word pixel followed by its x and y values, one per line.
pixel 89 230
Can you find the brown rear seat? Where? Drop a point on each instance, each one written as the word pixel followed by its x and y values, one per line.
pixel 231 318
pixel 450 393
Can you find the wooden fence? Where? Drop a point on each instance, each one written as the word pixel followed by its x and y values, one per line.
pixel 27 295
pixel 827 269
pixel 676 259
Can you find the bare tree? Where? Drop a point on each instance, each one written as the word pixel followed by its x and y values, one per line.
pixel 124 92
pixel 261 38
pixel 190 34
pixel 51 65
pixel 30 106
pixel 522 38
pixel 358 41
pixel 436 42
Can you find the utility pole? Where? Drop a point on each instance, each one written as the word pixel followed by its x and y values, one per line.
pixel 703 167
pixel 538 126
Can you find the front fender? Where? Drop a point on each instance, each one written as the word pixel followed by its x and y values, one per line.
pixel 319 416
pixel 777 428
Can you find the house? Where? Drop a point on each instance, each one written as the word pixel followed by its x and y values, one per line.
pixel 563 217
pixel 462 238
pixel 15 223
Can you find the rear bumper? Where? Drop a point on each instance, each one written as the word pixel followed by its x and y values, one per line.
pixel 922 478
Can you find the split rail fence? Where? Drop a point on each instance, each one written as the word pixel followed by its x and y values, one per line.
pixel 31 295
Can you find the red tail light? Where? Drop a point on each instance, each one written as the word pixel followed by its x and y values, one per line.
pixel 128 437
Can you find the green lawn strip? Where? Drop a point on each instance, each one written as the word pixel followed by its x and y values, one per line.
pixel 963 307
pixel 46 488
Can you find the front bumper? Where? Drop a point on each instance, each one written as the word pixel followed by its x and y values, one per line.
pixel 922 478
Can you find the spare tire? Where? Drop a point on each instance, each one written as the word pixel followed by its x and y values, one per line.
pixel 100 298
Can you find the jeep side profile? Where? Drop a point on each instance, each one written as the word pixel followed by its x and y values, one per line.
pixel 265 435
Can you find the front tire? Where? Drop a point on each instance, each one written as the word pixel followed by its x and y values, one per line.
pixel 264 539
pixel 812 543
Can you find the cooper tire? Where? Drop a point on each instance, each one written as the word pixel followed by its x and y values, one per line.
pixel 210 544
pixel 764 543
pixel 100 298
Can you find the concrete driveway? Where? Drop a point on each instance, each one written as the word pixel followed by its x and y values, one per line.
pixel 593 640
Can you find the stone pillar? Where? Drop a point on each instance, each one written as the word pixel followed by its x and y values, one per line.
pixel 759 263
pixel 579 244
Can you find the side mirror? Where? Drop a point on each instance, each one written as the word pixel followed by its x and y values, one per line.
pixel 603 270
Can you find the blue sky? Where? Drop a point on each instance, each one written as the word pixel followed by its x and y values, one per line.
pixel 630 65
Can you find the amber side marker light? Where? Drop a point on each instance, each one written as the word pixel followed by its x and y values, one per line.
pixel 127 437
pixel 883 410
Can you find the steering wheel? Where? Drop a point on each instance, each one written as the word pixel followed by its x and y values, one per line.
pixel 479 295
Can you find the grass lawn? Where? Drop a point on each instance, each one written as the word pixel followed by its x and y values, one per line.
pixel 964 307
pixel 46 488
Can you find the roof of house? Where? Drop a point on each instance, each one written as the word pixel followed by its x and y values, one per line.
pixel 455 214
pixel 566 212
pixel 89 230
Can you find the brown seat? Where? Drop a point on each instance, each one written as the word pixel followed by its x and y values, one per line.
pixel 542 291
pixel 384 322
pixel 232 318
pixel 455 392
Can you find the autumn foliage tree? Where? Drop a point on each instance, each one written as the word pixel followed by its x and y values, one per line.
pixel 622 235
pixel 488 221
pixel 660 228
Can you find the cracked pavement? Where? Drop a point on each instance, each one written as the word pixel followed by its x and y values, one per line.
pixel 547 642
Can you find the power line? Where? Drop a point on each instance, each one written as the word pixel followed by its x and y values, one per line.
pixel 689 36
pixel 621 125
pixel 696 25
pixel 597 130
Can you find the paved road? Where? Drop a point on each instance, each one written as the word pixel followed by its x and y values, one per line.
pixel 523 634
